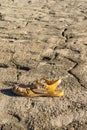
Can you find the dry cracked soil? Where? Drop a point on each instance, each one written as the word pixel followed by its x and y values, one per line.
pixel 43 38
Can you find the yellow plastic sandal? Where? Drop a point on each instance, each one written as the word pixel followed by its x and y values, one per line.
pixel 48 89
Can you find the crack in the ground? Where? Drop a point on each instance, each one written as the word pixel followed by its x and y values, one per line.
pixel 1 17
pixel 20 67
pixel 66 35
pixel 85 44
pixel 71 73
pixel 15 115
pixel 46 58
pixel 74 50
pixel 18 75
pixel 3 65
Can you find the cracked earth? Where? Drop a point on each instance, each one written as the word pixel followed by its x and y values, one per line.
pixel 43 38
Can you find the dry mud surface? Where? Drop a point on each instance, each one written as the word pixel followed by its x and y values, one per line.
pixel 43 38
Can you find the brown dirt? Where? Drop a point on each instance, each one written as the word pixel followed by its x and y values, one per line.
pixel 43 38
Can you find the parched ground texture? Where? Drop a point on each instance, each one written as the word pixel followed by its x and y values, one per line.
pixel 43 38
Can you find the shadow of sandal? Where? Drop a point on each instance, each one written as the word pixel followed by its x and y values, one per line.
pixel 7 92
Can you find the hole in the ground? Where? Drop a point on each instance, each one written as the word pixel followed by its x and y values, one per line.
pixel 46 58
pixel 23 68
